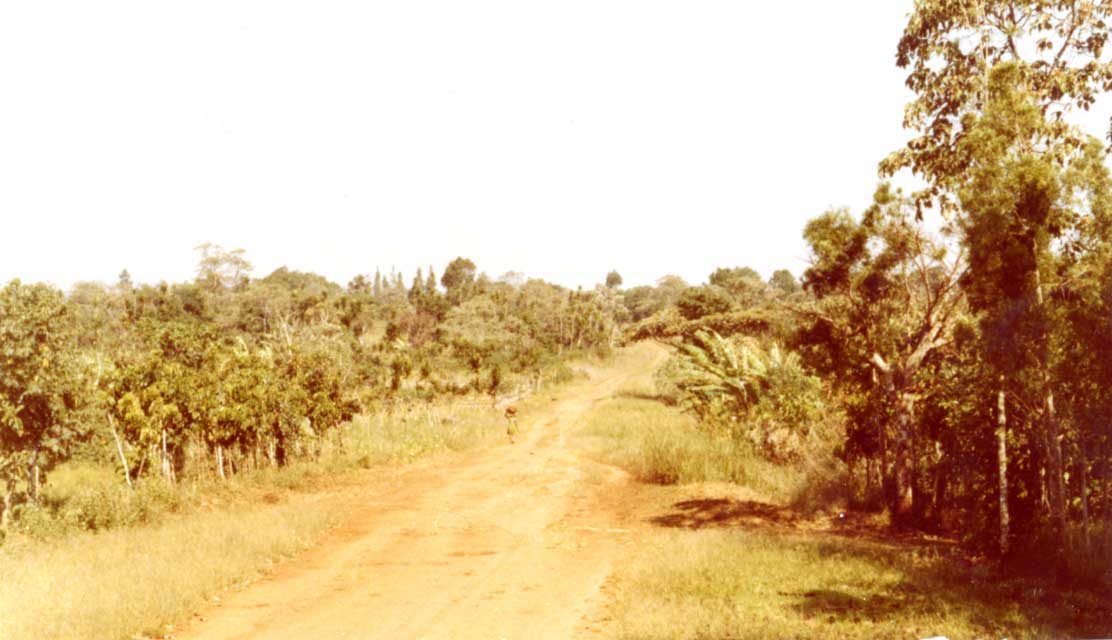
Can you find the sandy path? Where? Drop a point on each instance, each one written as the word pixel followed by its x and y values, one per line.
pixel 513 541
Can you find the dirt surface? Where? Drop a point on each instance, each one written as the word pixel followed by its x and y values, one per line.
pixel 513 541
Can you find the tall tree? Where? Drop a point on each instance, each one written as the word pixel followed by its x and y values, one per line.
pixel 949 47
pixel 886 300
pixel 458 279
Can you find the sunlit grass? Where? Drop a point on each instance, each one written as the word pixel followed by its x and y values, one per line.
pixel 752 584
pixel 776 580
pixel 660 444
pixel 133 580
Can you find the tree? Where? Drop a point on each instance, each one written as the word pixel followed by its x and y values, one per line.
pixel 123 282
pixel 886 301
pixel 1017 202
pixel 950 47
pixel 782 280
pixel 458 279
pixel 613 280
pixel 417 289
pixel 430 283
pixel 41 387
pixel 696 302
pixel 743 284
pixel 360 284
pixel 220 269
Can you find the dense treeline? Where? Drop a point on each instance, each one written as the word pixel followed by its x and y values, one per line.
pixel 228 371
pixel 970 366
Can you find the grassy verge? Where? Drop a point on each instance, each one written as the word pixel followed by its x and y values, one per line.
pixel 719 567
pixel 661 445
pixel 755 584
pixel 134 580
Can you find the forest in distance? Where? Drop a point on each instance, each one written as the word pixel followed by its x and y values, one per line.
pixel 943 365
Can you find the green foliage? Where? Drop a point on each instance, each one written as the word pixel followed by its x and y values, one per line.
pixel 642 302
pixel 759 394
pixel 696 302
pixel 783 281
pixel 42 385
pixel 670 324
pixel 949 49
pixel 458 280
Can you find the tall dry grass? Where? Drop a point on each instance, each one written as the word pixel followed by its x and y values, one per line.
pixel 133 580
pixel 660 444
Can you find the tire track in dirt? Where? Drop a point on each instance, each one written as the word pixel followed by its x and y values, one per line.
pixel 513 541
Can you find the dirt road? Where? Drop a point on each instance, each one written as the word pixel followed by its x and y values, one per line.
pixel 513 541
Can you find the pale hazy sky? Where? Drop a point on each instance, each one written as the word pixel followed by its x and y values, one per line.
pixel 561 139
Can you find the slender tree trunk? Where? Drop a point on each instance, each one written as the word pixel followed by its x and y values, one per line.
pixel 167 472
pixel 220 461
pixel 941 471
pixel 1002 467
pixel 1106 477
pixel 33 476
pixel 868 478
pixel 1056 476
pixel 1084 477
pixel 9 495
pixel 120 450
pixel 1056 479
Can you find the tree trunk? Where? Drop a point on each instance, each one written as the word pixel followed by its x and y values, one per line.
pixel 938 494
pixel 33 476
pixel 868 478
pixel 9 494
pixel 903 467
pixel 1106 462
pixel 120 450
pixel 1055 475
pixel 1084 477
pixel 1055 479
pixel 220 462
pixel 1002 467
pixel 167 473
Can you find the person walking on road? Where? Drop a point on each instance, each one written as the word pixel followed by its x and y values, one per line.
pixel 511 419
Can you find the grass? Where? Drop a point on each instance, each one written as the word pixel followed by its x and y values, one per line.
pixel 133 580
pixel 770 568
pixel 744 584
pixel 659 444
pixel 99 560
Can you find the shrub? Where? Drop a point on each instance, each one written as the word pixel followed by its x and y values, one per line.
pixel 758 393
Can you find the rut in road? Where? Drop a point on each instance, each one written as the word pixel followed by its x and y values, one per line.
pixel 513 541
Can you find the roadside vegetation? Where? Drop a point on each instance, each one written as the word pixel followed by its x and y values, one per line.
pixel 770 582
pixel 162 443
pixel 153 553
pixel 946 382
pixel 955 369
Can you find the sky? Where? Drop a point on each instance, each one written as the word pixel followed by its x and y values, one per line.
pixel 561 140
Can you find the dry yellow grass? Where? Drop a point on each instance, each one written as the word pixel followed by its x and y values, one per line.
pixel 119 583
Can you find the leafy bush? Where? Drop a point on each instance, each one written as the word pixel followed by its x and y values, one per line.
pixel 753 392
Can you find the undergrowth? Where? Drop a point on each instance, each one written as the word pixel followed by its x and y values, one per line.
pixel 660 444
